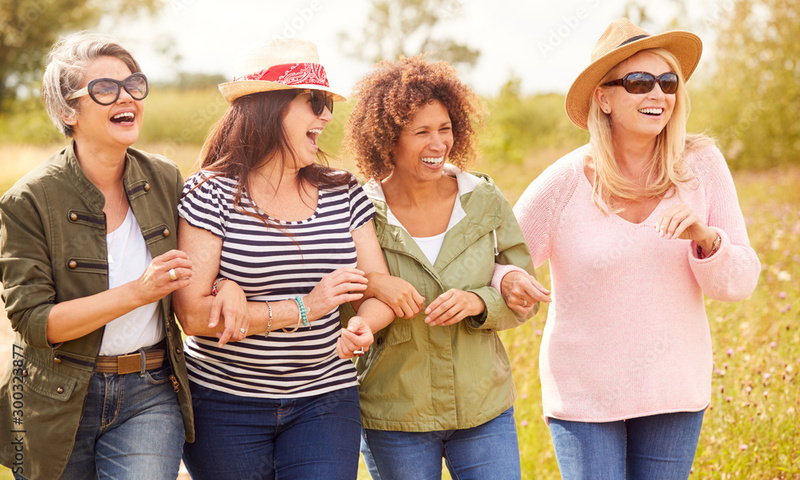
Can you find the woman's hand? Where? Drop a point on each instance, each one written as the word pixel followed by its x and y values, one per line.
pixel 157 280
pixel 355 339
pixel 680 221
pixel 453 306
pixel 395 292
pixel 521 291
pixel 340 286
pixel 231 304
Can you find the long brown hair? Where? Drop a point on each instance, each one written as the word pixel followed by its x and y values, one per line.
pixel 250 134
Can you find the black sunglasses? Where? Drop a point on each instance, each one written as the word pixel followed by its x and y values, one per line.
pixel 105 91
pixel 643 82
pixel 319 100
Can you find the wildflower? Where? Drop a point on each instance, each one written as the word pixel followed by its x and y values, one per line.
pixel 743 447
pixel 539 333
pixel 773 345
pixel 524 423
pixel 782 295
pixel 784 276
pixel 766 376
pixel 729 351
pixel 728 399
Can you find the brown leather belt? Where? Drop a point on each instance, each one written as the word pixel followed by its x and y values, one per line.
pixel 132 362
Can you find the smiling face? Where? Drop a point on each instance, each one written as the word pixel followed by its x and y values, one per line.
pixel 424 143
pixel 303 129
pixel 643 115
pixel 116 125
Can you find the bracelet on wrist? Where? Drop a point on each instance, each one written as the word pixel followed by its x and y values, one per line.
pixel 303 312
pixel 269 322
pixel 299 320
pixel 214 287
pixel 714 247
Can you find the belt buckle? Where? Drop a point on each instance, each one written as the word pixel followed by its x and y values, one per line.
pixel 129 363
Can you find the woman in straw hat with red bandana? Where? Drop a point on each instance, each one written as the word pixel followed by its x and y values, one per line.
pixel 637 226
pixel 286 240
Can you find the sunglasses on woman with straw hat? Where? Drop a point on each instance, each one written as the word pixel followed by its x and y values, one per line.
pixel 283 64
pixel 621 40
pixel 644 82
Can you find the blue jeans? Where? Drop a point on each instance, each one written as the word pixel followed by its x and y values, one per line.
pixel 258 438
pixel 653 447
pixel 486 451
pixel 131 428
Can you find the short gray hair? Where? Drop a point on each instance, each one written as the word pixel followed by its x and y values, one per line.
pixel 67 62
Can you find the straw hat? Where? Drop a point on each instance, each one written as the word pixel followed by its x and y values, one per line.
pixel 279 64
pixel 621 40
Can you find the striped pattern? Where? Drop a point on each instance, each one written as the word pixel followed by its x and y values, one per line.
pixel 275 264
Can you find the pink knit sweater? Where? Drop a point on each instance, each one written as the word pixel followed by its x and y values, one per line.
pixel 627 333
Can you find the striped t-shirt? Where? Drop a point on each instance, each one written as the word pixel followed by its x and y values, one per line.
pixel 275 264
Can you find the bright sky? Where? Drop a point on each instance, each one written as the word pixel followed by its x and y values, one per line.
pixel 545 43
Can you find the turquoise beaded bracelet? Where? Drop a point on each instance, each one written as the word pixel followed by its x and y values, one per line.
pixel 302 308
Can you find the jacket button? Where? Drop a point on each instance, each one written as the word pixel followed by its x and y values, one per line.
pixel 179 350
pixel 380 341
pixel 60 390
pixel 72 264
pixel 73 217
pixel 57 359
pixel 166 232
pixel 146 187
pixel 25 373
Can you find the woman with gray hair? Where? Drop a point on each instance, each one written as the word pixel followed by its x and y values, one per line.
pixel 88 263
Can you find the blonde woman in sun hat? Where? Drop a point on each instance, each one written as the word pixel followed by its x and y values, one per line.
pixel 637 226
pixel 282 237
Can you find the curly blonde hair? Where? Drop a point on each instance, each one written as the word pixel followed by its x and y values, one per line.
pixel 390 96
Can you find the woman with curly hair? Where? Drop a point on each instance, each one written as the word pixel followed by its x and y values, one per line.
pixel 437 381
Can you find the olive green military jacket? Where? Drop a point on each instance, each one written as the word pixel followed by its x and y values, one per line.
pixel 416 377
pixel 53 249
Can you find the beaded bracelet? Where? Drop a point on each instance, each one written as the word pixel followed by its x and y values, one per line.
pixel 303 313
pixel 269 322
pixel 216 284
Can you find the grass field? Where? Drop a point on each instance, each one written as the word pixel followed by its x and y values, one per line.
pixel 752 428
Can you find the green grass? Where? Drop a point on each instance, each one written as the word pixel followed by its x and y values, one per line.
pixel 751 429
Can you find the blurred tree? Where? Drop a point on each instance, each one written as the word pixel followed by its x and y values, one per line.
pixel 406 27
pixel 753 96
pixel 28 28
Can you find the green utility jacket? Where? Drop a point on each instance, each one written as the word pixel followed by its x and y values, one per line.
pixel 53 249
pixel 418 378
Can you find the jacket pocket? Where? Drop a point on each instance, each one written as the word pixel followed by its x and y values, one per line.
pixel 48 383
pixel 397 333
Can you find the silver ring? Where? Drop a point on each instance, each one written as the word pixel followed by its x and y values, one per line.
pixel 359 352
pixel 242 330
pixel 172 274
pixel 524 303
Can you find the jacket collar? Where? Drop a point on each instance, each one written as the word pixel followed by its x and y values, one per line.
pixel 477 213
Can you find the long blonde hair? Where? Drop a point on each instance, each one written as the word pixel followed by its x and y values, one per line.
pixel 667 168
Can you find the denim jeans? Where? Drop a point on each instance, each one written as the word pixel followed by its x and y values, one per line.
pixel 654 447
pixel 131 428
pixel 486 451
pixel 257 438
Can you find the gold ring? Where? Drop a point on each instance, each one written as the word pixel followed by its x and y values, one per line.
pixel 172 274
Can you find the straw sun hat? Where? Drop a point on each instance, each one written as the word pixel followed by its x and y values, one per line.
pixel 621 40
pixel 279 64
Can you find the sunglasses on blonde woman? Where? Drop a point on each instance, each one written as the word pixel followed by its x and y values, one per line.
pixel 643 82
pixel 320 100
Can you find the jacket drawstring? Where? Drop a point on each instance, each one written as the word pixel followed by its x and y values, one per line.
pixel 496 250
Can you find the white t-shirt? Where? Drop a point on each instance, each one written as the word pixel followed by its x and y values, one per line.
pixel 128 257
